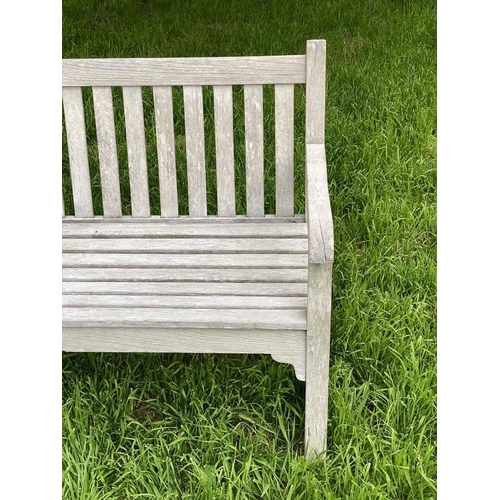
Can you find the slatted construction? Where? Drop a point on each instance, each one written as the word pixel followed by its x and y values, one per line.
pixel 197 283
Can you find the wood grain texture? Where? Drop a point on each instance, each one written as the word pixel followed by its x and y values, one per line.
pixel 224 150
pixel 141 317
pixel 284 149
pixel 319 289
pixel 165 141
pixel 184 71
pixel 186 288
pixel 249 275
pixel 136 149
pixel 185 301
pixel 144 230
pixel 319 212
pixel 288 346
pixel 193 261
pixel 195 150
pixel 254 149
pixel 77 149
pixel 315 91
pixel 183 219
pixel 185 245
pixel 108 158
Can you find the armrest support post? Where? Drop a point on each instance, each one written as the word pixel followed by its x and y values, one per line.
pixel 319 212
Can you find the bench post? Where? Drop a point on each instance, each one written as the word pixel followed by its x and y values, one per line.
pixel 319 219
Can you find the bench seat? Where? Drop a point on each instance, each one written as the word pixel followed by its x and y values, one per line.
pixel 158 285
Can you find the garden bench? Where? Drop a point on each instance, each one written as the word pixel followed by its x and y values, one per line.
pixel 198 283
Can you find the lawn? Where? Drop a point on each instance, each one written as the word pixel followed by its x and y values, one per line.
pixel 232 427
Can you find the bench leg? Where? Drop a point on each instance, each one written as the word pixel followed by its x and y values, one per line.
pixel 317 357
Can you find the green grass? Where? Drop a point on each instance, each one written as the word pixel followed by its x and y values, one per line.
pixel 226 426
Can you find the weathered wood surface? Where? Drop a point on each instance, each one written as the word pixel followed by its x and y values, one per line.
pixel 286 345
pixel 165 141
pixel 319 212
pixel 195 150
pixel 184 71
pixel 185 301
pixel 108 158
pixel 315 91
pixel 201 283
pixel 184 245
pixel 140 317
pixel 319 289
pixel 186 288
pixel 136 149
pixel 254 149
pixel 284 149
pixel 186 275
pixel 194 261
pixel 77 149
pixel 182 219
pixel 224 150
pixel 142 230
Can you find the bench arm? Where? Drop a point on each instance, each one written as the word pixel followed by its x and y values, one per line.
pixel 318 209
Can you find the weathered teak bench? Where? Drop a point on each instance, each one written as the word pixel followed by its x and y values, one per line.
pixel 201 284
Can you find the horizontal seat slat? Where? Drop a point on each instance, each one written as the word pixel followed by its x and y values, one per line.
pixel 193 261
pixel 186 275
pixel 141 230
pixel 185 301
pixel 185 245
pixel 184 71
pixel 74 317
pixel 182 219
pixel 187 288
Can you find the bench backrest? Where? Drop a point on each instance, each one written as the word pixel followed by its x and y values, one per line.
pixel 190 73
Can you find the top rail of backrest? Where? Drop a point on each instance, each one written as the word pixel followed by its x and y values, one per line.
pixel 184 71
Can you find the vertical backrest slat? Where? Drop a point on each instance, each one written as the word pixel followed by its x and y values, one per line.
pixel 254 147
pixel 164 116
pixel 315 91
pixel 283 103
pixel 136 149
pixel 77 149
pixel 224 150
pixel 195 150
pixel 108 158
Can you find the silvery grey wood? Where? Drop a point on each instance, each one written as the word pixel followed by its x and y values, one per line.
pixel 186 301
pixel 194 261
pixel 284 149
pixel 141 230
pixel 319 289
pixel 224 150
pixel 165 143
pixel 136 149
pixel 315 91
pixel 186 288
pixel 195 150
pixel 227 283
pixel 182 219
pixel 254 149
pixel 286 346
pixel 319 212
pixel 184 71
pixel 108 158
pixel 183 245
pixel 141 317
pixel 186 275
pixel 77 149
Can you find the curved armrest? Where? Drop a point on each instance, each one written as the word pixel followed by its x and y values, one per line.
pixel 319 212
